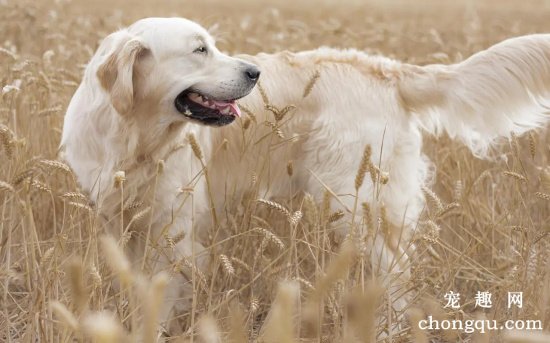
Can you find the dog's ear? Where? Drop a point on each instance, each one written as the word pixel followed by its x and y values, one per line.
pixel 117 73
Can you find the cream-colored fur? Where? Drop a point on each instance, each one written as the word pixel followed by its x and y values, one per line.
pixel 358 100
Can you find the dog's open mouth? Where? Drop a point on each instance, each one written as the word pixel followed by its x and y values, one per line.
pixel 205 110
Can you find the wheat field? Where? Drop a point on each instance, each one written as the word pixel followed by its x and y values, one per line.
pixel 270 279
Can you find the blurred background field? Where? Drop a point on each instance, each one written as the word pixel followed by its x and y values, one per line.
pixel 494 239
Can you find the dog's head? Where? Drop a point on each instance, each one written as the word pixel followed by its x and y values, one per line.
pixel 170 68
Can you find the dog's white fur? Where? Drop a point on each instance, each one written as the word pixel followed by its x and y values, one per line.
pixel 358 100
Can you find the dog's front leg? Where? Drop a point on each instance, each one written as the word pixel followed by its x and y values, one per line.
pixel 185 259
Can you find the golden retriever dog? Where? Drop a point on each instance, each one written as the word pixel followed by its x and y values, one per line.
pixel 146 86
pixel 156 115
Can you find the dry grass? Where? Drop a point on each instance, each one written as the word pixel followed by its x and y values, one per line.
pixel 278 275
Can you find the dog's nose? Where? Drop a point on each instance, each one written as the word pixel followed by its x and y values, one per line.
pixel 252 73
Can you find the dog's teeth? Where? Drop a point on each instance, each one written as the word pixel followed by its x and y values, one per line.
pixel 225 110
pixel 186 111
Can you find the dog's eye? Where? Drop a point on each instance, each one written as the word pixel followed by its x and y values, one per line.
pixel 201 50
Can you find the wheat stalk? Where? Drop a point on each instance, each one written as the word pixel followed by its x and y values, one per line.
pixel 81 206
pixel 275 129
pixel 254 305
pixel 519 228
pixel 540 236
pixel 65 315
pixel 325 206
pixel 367 215
pixel 311 83
pixel 433 199
pixel 40 186
pixel 133 205
pixel 96 277
pixel 361 306
pixel 7 139
pixel 78 290
pixel 74 195
pixel 276 206
pixel 241 263
pixel 57 165
pixel 279 327
pixel 6 52
pixel 154 297
pixel 173 241
pixel 270 236
pixel 295 217
pixel 543 195
pixel 265 99
pixel 446 209
pixel 311 210
pixel 377 174
pixel 515 145
pixel 249 113
pixel 458 190
pixel 515 175
pixel 363 167
pixel 140 215
pixel 103 327
pixel 119 178
pixel 116 259
pixel 197 151
pixel 431 234
pixel 125 238
pixel 28 173
pixel 384 223
pixel 279 114
pixel 337 269
pixel 47 257
pixel 227 265
pixel 6 187
pixel 532 144
pixel 335 216
pixel 485 174
pixel 304 282
pixel 208 330
pixel 50 110
pixel 193 267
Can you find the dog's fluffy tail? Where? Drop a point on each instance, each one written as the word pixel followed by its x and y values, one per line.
pixel 504 89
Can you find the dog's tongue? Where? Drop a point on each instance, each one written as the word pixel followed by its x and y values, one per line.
pixel 232 106
pixel 225 107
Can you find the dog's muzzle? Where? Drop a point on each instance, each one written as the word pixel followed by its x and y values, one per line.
pixel 214 112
